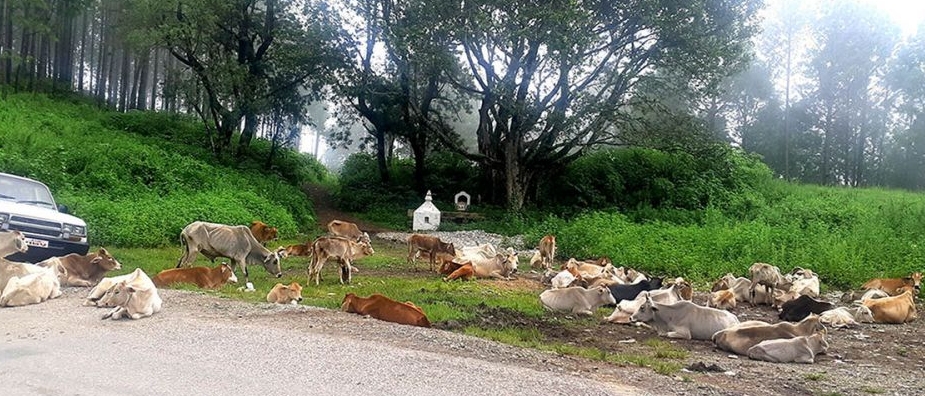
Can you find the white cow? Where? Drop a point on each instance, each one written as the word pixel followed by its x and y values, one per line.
pixel 684 319
pixel 576 299
pixel 135 297
pixel 804 282
pixel 98 294
pixel 12 242
pixel 32 288
pixel 739 339
pixel 846 317
pixel 626 308
pixel 801 349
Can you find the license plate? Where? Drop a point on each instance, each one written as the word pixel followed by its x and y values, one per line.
pixel 37 242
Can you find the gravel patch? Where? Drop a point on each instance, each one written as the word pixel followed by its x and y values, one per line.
pixel 465 238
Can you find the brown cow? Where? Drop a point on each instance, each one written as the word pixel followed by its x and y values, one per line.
pixel 463 271
pixel 386 309
pixel 432 245
pixel 892 285
pixel 344 249
pixel 263 233
pixel 285 294
pixel 547 249
pixel 301 249
pixel 347 230
pixel 86 270
pixel 897 309
pixel 204 277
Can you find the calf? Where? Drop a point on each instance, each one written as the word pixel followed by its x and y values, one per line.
pixel 348 230
pixel 896 309
pixel 263 233
pixel 547 249
pixel 565 278
pixel 464 271
pixel 12 242
pixel 537 260
pixel 429 244
pixel 343 249
pixel 501 266
pixel 891 285
pixel 285 294
pixel 31 288
pixel 135 298
pixel 100 294
pixel 845 317
pixel 85 271
pixel 802 349
pixel 765 275
pixel 385 309
pixel 204 277
pixel 796 310
pixel 722 299
pixel 739 339
pixel 629 292
pixel 576 299
pixel 626 308
pixel 684 319
pixel 301 249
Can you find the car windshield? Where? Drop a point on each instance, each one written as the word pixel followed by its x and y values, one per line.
pixel 25 191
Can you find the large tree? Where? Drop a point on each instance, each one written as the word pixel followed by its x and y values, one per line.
pixel 552 80
pixel 244 53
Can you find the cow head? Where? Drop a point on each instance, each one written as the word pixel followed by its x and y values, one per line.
pixel 106 261
pixel 862 314
pixel 271 264
pixel 294 291
pixel 19 242
pixel 916 281
pixel 228 273
pixel 119 295
pixel 347 305
pixel 646 312
pixel 365 238
pixel 271 234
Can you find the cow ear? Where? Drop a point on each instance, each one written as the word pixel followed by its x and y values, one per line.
pixel 96 259
pixel 130 289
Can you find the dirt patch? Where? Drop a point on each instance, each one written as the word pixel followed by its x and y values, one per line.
pixel 326 210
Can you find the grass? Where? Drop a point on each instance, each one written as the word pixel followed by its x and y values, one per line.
pixel 872 390
pixel 814 376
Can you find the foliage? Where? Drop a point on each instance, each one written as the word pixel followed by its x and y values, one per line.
pixel 141 188
pixel 847 236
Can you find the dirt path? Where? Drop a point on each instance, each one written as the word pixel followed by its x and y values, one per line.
pixel 326 210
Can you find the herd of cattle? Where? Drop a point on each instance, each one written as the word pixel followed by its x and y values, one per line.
pixel 579 287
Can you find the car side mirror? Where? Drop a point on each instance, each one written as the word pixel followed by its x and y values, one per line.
pixel 63 209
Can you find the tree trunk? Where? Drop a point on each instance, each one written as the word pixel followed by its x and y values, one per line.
pixel 83 48
pixel 251 121
pixel 154 81
pixel 381 160
pixel 8 42
pixel 125 78
pixel 515 178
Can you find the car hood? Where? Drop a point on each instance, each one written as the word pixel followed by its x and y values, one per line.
pixel 38 212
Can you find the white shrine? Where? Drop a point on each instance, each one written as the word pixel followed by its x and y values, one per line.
pixel 427 216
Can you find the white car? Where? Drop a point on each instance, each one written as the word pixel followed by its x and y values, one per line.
pixel 27 206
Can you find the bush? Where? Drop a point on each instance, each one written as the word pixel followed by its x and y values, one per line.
pixel 135 181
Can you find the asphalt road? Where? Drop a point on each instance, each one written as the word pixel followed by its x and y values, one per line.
pixel 201 345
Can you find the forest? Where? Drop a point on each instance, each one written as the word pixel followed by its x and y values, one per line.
pixel 513 93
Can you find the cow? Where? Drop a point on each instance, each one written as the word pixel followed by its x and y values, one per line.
pixel 722 299
pixel 626 308
pixel 432 245
pixel 765 275
pixel 576 300
pixel 31 288
pixel 501 266
pixel 629 292
pixel 344 249
pixel 263 233
pixel 100 294
pixel 135 297
pixel 234 242
pixel 547 248
pixel 895 309
pixel 300 249
pixel 348 230
pixel 683 319
pixel 684 288
pixel 84 271
pixel 802 349
pixel 385 309
pixel 803 283
pixel 801 307
pixel 285 294
pixel 740 338
pixel 485 250
pixel 537 260
pixel 891 285
pixel 464 271
pixel 846 317
pixel 740 286
pixel 11 269
pixel 203 277
pixel 12 242
pixel 565 278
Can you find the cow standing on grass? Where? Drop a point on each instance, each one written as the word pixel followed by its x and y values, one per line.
pixel 234 242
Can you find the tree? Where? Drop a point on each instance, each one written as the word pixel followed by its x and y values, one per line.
pixel 553 80
pixel 243 53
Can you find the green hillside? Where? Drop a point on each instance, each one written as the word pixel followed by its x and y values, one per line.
pixel 138 178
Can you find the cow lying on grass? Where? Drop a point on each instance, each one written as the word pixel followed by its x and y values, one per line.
pixel 285 294
pixel 385 309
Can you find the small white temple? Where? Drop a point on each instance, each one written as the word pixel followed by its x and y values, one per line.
pixel 462 200
pixel 426 216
